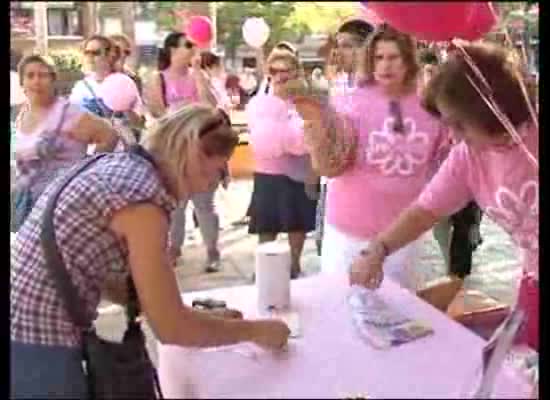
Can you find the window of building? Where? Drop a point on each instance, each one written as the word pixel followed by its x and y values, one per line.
pixel 64 22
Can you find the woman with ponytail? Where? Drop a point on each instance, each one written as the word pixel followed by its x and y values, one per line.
pixel 179 82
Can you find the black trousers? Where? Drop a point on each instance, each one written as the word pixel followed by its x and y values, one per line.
pixel 463 240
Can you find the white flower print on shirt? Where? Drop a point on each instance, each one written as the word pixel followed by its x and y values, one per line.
pixel 397 154
pixel 518 214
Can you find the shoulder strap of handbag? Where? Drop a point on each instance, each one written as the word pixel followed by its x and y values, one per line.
pixel 163 88
pixel 62 118
pixel 54 263
pixel 100 103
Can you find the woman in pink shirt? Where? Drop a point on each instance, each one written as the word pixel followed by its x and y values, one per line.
pixel 398 142
pixel 179 82
pixel 489 166
pixel 279 202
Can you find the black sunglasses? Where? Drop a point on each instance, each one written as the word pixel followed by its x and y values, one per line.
pixel 188 45
pixel 395 112
pixel 97 52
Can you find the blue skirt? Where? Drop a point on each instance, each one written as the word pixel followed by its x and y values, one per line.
pixel 46 372
pixel 280 204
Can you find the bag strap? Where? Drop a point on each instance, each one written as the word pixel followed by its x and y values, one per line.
pixel 163 88
pixel 97 100
pixel 62 118
pixel 54 263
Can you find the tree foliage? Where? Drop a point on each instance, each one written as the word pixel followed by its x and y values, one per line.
pixel 323 17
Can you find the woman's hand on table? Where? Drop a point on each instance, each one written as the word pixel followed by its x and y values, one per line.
pixel 226 313
pixel 367 268
pixel 270 334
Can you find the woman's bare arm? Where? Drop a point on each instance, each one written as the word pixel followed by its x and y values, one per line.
pixel 153 96
pixel 92 129
pixel 144 228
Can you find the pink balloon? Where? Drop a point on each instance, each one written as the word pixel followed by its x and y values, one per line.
pixel 118 92
pixel 199 30
pixel 437 21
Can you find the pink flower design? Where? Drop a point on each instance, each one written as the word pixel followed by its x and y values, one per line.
pixel 397 154
pixel 518 214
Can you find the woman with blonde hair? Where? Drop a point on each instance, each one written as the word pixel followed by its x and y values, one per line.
pixel 50 135
pixel 279 201
pixel 115 211
pixel 396 145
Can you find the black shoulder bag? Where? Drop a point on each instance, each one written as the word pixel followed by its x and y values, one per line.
pixel 113 370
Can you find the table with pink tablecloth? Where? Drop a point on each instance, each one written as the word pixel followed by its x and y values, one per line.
pixel 329 360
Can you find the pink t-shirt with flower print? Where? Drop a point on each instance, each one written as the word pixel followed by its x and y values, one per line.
pixel 502 181
pixel 391 168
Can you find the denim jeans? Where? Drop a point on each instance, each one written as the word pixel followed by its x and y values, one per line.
pixel 46 372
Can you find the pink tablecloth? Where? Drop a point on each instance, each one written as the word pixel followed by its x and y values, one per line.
pixel 329 360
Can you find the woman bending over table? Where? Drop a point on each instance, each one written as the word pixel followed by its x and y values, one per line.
pixel 491 167
pixel 116 212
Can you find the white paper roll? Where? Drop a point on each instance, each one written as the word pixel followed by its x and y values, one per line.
pixel 273 275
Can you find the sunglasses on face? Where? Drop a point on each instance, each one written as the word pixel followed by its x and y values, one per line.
pixel 277 71
pixel 187 45
pixel 40 75
pixel 96 52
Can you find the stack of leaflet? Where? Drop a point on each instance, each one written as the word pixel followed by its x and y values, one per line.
pixel 380 324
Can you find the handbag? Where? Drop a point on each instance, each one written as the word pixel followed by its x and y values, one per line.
pixel 21 207
pixel 23 199
pixel 113 370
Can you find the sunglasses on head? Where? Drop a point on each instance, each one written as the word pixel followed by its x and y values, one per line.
pixel 96 52
pixel 222 119
pixel 218 144
pixel 395 112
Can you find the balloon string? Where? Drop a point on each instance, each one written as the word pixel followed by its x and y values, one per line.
pixel 489 100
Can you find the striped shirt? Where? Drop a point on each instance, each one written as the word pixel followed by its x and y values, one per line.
pixel 87 245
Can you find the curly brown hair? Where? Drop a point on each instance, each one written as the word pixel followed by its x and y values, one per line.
pixel 407 48
pixel 454 86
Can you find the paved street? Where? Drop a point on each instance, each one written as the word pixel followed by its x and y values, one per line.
pixel 494 272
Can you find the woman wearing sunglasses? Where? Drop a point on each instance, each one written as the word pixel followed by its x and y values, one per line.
pixel 279 201
pixel 116 211
pixel 50 135
pixel 397 143
pixel 100 57
pixel 180 81
pixel 495 164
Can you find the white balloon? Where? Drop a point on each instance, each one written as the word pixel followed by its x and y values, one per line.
pixel 255 32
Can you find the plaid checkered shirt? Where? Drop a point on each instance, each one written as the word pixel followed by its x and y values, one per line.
pixel 88 247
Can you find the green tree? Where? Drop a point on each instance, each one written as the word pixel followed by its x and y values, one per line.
pixel 322 17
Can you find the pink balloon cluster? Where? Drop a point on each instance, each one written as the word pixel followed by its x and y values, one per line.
pixel 437 21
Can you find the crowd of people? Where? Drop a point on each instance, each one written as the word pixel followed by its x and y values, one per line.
pixel 398 142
